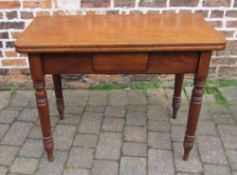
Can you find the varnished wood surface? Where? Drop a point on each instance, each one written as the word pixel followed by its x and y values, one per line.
pixel 57 81
pixel 42 103
pixel 178 86
pixel 109 33
pixel 157 62
pixel 120 62
pixel 196 102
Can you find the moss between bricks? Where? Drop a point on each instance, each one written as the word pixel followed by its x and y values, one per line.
pixel 211 87
pixel 13 91
pixel 133 85
pixel 220 99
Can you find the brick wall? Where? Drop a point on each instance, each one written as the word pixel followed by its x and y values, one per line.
pixel 15 15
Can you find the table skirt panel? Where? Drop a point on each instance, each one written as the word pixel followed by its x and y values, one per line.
pixel 120 63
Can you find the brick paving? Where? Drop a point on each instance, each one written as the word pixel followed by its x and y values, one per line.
pixel 117 132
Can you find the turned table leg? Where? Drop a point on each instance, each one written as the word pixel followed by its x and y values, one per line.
pixel 57 81
pixel 194 110
pixel 196 102
pixel 42 103
pixel 177 94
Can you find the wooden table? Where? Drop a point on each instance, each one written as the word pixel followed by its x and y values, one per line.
pixel 111 44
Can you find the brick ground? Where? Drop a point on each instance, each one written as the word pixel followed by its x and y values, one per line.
pixel 118 132
pixel 16 15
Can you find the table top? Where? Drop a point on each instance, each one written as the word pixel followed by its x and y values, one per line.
pixel 92 33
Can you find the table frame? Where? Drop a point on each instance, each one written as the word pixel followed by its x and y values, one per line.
pixel 38 71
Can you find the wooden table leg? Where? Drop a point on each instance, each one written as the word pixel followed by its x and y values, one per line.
pixel 196 102
pixel 57 81
pixel 42 103
pixel 177 93
pixel 194 110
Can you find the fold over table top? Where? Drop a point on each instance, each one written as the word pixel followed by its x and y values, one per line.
pixel 151 32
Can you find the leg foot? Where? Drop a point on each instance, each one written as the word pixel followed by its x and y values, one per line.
pixel 188 145
pixel 48 145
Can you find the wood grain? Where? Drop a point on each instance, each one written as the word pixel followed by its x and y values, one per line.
pixel 57 82
pixel 196 102
pixel 159 62
pixel 109 33
pixel 120 62
pixel 42 103
pixel 178 86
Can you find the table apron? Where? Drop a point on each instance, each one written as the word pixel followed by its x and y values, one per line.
pixel 120 63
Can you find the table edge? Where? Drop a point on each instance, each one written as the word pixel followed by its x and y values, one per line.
pixel 118 48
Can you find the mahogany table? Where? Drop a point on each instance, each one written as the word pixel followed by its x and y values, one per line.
pixel 111 44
